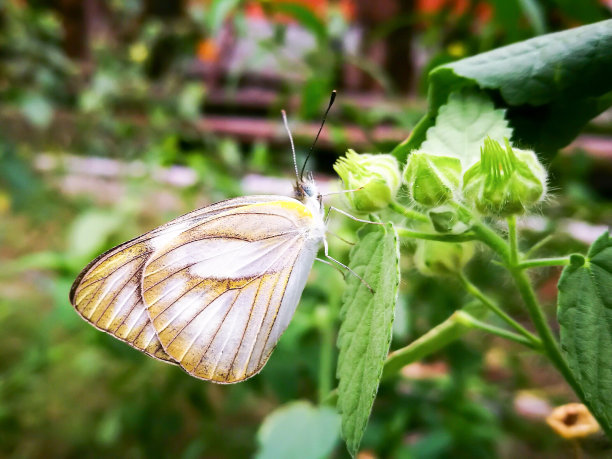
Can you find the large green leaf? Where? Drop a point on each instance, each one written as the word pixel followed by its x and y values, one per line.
pixel 585 315
pixel 551 85
pixel 462 126
pixel 365 332
pixel 299 430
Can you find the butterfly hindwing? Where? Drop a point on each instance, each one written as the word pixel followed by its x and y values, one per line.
pixel 221 294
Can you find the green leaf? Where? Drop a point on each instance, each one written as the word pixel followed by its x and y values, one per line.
pixel 219 11
pixel 585 316
pixel 299 430
pixel 304 15
pixel 463 124
pixel 551 85
pixel 365 332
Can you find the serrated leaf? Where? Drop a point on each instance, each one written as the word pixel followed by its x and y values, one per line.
pixel 365 331
pixel 299 430
pixel 463 124
pixel 551 85
pixel 585 316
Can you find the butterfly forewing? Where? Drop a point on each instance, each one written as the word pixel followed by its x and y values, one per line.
pixel 218 294
pixel 108 292
pixel 212 290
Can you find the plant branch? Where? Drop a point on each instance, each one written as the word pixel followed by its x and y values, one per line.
pixel 539 262
pixel 539 321
pixel 489 303
pixel 513 239
pixel 480 325
pixel 408 233
pixel 408 213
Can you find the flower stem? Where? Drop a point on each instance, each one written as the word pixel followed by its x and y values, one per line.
pixel 539 321
pixel 408 213
pixel 471 321
pixel 538 262
pixel 408 233
pixel 489 303
pixel 513 238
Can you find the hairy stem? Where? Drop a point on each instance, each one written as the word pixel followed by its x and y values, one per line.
pixel 408 233
pixel 539 262
pixel 408 213
pixel 489 303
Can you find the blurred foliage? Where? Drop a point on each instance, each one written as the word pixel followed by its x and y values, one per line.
pixel 67 390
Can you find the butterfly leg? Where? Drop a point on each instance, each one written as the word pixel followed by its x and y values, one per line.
pixel 326 251
pixel 348 215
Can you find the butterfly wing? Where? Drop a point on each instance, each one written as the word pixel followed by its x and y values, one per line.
pixel 212 290
pixel 221 294
pixel 108 292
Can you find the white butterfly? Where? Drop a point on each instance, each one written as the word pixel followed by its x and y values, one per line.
pixel 213 290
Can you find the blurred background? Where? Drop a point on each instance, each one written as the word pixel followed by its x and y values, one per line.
pixel 117 116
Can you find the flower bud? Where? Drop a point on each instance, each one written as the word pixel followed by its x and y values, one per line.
pixel 432 180
pixel 505 181
pixel 376 179
pixel 435 258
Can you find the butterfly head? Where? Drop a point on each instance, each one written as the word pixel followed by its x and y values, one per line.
pixel 306 189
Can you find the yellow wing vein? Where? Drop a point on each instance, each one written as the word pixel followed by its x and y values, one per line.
pixel 84 286
pixel 277 309
pixel 213 337
pixel 263 318
pixel 134 324
pixel 183 310
pixel 117 294
pixel 245 328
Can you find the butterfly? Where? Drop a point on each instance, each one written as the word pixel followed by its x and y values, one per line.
pixel 213 290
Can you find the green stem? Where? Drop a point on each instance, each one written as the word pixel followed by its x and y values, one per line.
pixel 480 325
pixel 408 213
pixel 326 357
pixel 539 321
pixel 538 262
pixel 549 343
pixel 489 303
pixel 538 245
pixel 408 233
pixel 435 339
pixel 513 239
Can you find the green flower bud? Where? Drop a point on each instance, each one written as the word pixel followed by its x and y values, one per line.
pixel 505 181
pixel 375 177
pixel 435 258
pixel 432 180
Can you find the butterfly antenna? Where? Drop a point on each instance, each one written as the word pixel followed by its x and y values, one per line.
pixel 284 114
pixel 331 102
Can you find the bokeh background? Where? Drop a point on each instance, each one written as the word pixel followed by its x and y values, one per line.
pixel 116 116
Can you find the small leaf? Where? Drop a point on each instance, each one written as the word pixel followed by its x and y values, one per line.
pixel 463 124
pixel 365 332
pixel 299 430
pixel 585 316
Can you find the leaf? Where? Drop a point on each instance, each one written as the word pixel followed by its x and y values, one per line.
pixel 585 316
pixel 303 15
pixel 463 124
pixel 365 332
pixel 551 85
pixel 219 11
pixel 299 430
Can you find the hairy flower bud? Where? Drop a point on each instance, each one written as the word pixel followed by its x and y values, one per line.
pixel 435 258
pixel 505 181
pixel 376 179
pixel 432 180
